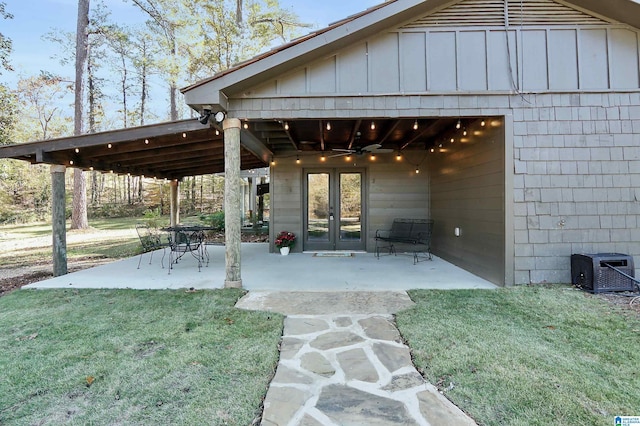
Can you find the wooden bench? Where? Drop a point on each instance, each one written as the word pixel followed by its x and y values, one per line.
pixel 412 233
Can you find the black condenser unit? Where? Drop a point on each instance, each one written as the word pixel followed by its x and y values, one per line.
pixel 603 272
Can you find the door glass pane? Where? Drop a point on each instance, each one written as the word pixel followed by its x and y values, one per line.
pixel 350 206
pixel 318 207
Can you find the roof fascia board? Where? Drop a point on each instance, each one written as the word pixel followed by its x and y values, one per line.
pixel 93 139
pixel 325 43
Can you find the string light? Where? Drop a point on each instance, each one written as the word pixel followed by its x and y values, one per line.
pixel 452 140
pixel 246 125
pixel 458 124
pixel 465 132
pixel 146 141
pixel 373 125
pixel 77 150
pixel 273 162
pixel 298 159
pixel 71 162
pixel 432 150
pixel 328 125
pixel 417 170
pixel 348 158
pixel 323 157
pixel 398 156
pixel 483 123
pixel 109 146
pixel 217 132
pixel 286 126
pixel 373 157
pixel 184 135
pixel 415 125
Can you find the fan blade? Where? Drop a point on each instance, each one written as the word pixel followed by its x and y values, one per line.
pixel 349 151
pixel 381 151
pixel 371 147
pixel 340 155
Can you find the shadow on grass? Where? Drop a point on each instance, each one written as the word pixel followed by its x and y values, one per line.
pixel 134 357
pixel 527 355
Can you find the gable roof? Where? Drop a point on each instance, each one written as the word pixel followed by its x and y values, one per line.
pixel 213 92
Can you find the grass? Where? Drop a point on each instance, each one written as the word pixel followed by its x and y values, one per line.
pixel 133 357
pixel 527 355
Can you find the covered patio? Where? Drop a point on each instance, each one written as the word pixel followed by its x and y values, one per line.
pixel 264 271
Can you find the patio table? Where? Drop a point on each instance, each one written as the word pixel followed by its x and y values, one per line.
pixel 185 239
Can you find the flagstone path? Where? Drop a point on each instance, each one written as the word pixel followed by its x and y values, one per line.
pixel 348 369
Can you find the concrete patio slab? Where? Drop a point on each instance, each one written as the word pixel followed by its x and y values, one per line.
pixel 264 271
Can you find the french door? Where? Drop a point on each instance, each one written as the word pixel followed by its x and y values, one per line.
pixel 334 216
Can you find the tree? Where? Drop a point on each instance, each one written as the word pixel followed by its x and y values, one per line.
pixel 7 100
pixel 79 218
pixel 8 114
pixel 5 42
pixel 41 99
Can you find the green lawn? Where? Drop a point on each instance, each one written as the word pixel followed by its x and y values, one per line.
pixel 133 357
pixel 527 355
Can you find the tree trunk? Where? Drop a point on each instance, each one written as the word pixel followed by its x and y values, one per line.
pixel 79 213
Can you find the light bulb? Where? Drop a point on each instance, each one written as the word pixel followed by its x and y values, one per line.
pixel 458 124
pixel 71 162
pixel 415 125
pixel 348 158
pixel 146 141
pixel 465 132
pixel 323 157
pixel 297 160
pixel 417 171
pixel 77 150
pixel 109 146
pixel 373 157
pixel 483 123
pixel 398 156
pixel 184 135
pixel 246 125
pixel 328 125
pixel 452 140
pixel 373 125
pixel 286 126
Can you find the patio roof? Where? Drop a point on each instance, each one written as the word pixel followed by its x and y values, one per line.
pixel 169 150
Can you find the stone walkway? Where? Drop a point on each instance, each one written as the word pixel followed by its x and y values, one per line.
pixel 347 368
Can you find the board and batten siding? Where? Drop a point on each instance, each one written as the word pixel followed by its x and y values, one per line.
pixel 468 193
pixel 441 60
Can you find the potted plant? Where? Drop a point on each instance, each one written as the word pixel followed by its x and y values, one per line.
pixel 284 241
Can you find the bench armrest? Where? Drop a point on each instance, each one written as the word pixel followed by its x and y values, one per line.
pixel 382 233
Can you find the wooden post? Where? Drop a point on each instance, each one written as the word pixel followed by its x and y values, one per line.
pixel 232 220
pixel 174 205
pixel 58 220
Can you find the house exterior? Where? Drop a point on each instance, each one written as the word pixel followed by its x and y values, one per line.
pixel 513 124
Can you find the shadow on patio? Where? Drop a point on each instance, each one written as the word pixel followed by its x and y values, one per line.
pixel 262 270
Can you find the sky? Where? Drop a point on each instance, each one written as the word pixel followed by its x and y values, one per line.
pixel 34 18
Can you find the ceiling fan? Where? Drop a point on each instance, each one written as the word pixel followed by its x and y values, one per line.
pixel 369 149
